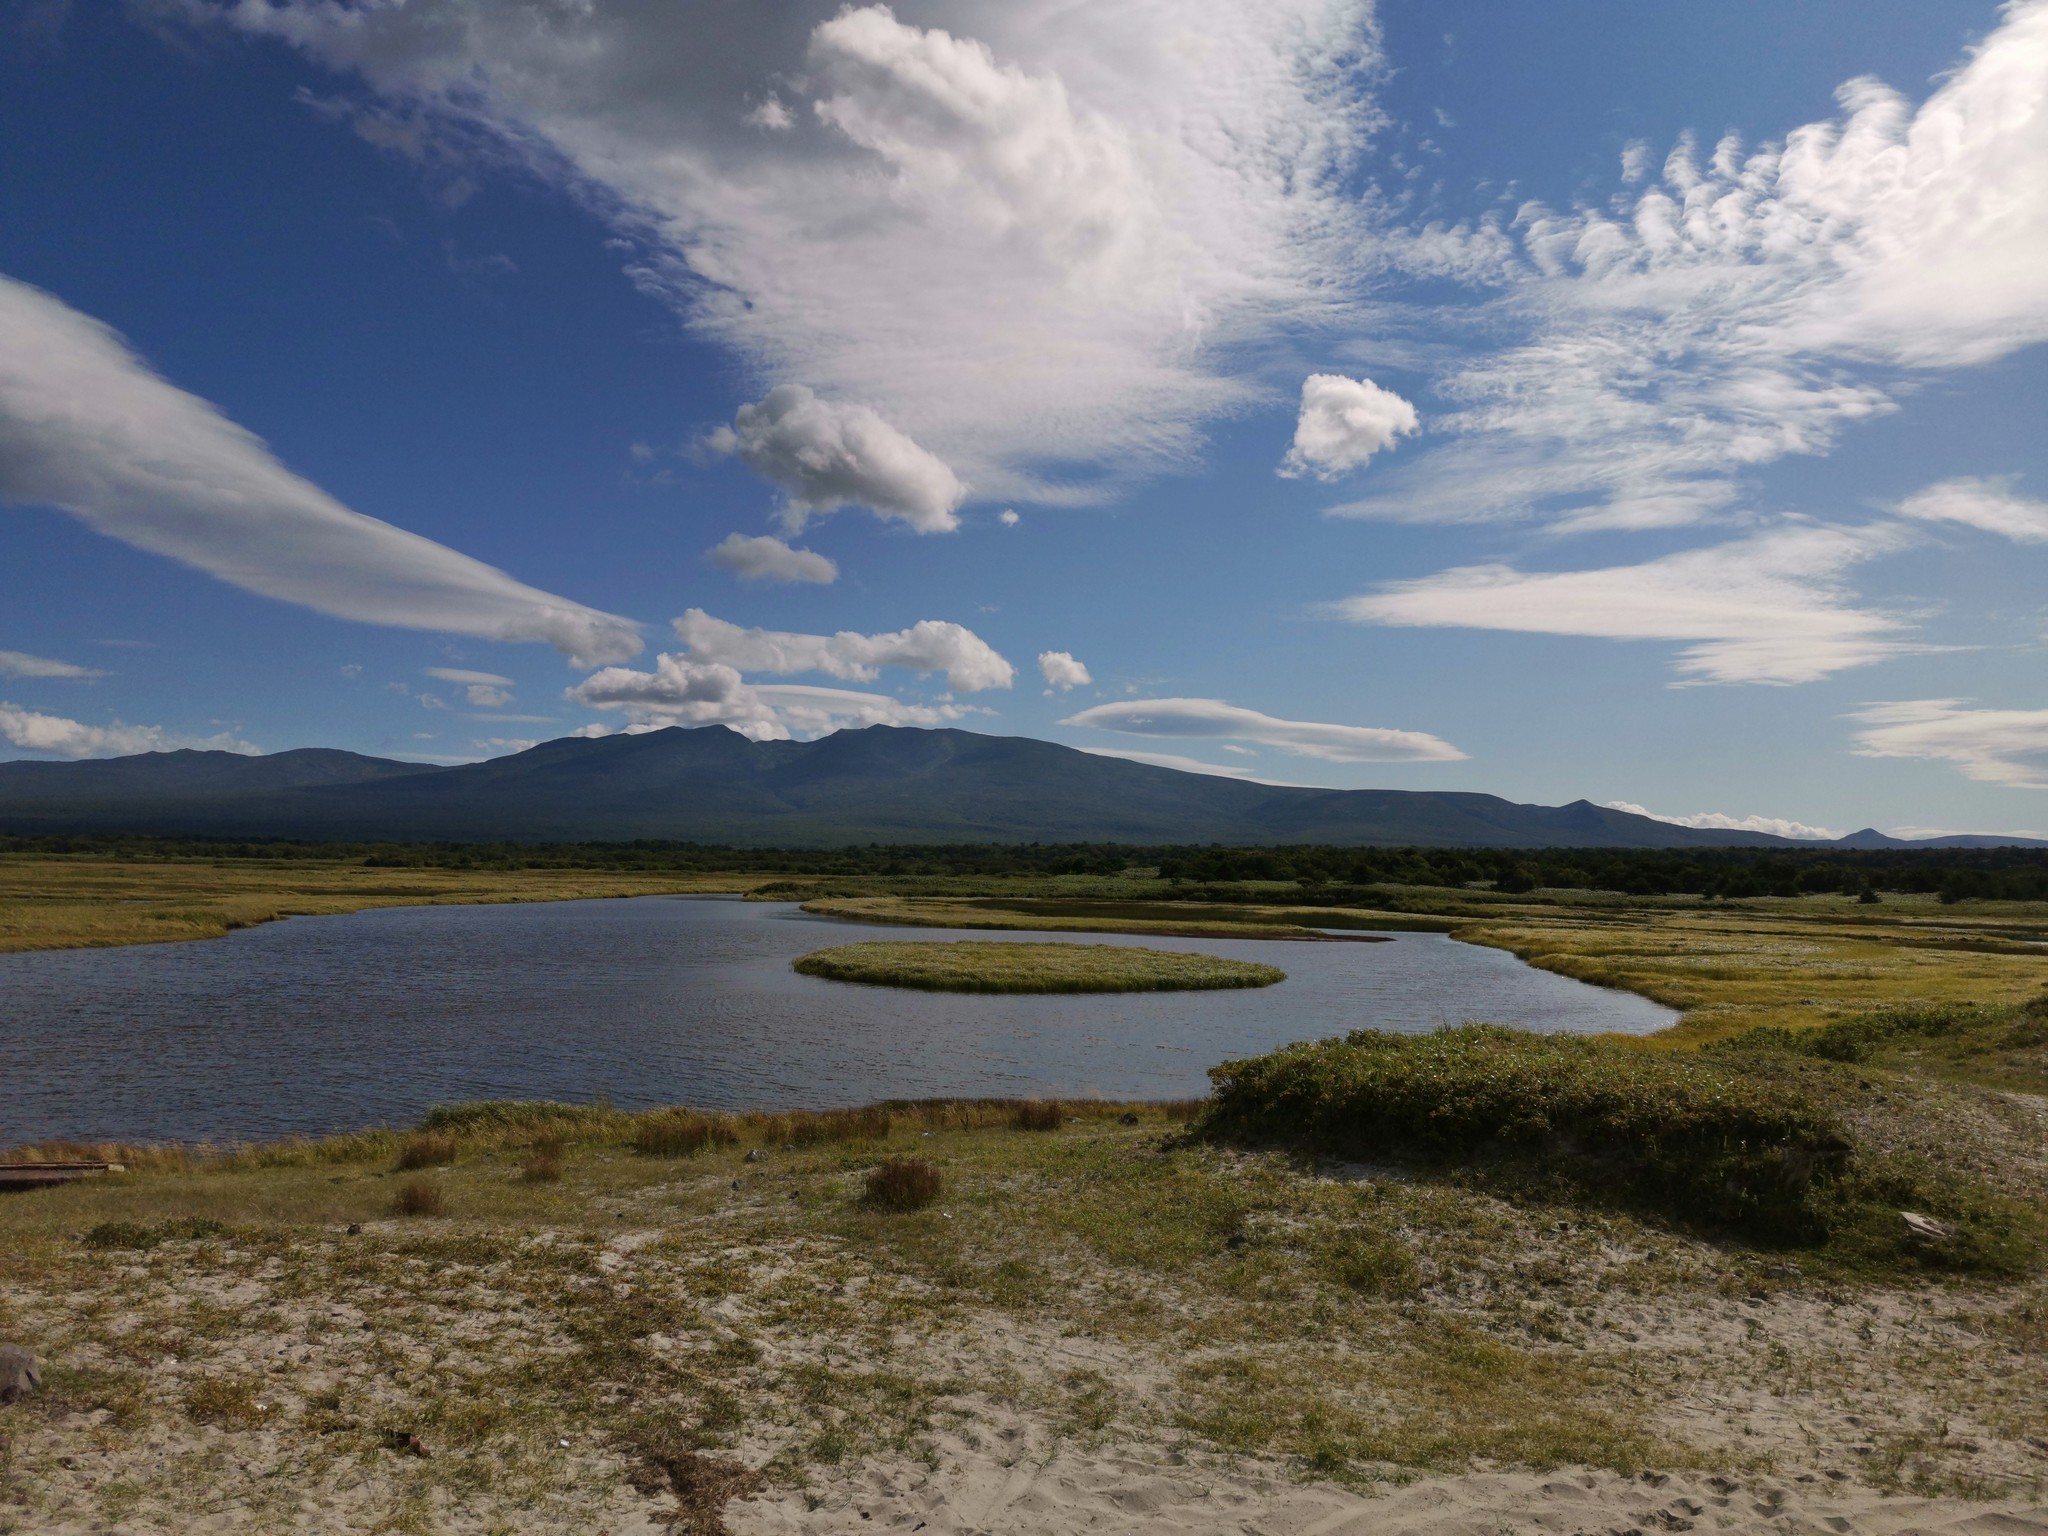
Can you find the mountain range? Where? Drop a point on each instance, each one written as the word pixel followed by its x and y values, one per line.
pixel 884 784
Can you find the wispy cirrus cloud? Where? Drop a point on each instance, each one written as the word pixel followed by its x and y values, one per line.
pixel 21 664
pixel 1772 608
pixel 1982 502
pixel 1214 718
pixel 86 426
pixel 1993 746
pixel 1034 239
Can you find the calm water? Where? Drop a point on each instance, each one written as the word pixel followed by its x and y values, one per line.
pixel 323 1024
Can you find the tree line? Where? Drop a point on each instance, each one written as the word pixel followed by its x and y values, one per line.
pixel 1319 873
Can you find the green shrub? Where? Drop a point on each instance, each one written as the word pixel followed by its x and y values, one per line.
pixel 1699 1139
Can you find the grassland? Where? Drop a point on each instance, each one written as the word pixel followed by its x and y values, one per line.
pixel 77 903
pixel 977 966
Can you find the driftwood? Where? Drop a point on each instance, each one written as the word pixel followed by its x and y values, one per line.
pixel 29 1175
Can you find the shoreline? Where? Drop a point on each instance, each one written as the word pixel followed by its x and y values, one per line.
pixel 1096 1325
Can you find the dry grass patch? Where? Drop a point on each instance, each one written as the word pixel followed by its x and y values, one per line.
pixel 904 1184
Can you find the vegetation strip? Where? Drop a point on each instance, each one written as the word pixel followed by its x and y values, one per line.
pixel 968 965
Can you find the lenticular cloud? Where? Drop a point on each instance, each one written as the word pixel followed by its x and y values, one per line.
pixel 86 426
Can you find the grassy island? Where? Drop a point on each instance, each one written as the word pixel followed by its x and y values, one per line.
pixel 975 966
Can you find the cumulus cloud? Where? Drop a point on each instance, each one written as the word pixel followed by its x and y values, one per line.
pixel 687 692
pixel 827 454
pixel 1767 609
pixel 1718 822
pixel 1994 746
pixel 1061 671
pixel 1306 738
pixel 1989 504
pixel 768 559
pixel 86 426
pixel 59 737
pixel 1343 423
pixel 1008 517
pixel 21 664
pixel 1747 304
pixel 1021 234
pixel 930 645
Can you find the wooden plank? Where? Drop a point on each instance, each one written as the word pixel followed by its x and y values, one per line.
pixel 27 1175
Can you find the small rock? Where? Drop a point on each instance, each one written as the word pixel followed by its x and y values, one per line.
pixel 755 1155
pixel 19 1374
pixel 1926 1226
pixel 355 1229
pixel 1127 1118
pixel 1781 1271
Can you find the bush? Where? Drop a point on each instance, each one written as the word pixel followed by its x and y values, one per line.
pixel 825 1127
pixel 1701 1140
pixel 418 1197
pixel 426 1149
pixel 1038 1115
pixel 681 1133
pixel 904 1184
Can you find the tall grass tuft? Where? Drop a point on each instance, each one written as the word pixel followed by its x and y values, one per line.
pixel 681 1133
pixel 427 1149
pixel 545 1159
pixel 904 1184
pixel 1038 1115
pixel 418 1197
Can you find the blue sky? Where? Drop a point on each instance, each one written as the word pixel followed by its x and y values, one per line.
pixel 1633 402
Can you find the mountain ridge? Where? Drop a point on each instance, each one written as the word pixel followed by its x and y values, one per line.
pixel 884 784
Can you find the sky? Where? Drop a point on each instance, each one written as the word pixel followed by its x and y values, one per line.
pixel 1635 403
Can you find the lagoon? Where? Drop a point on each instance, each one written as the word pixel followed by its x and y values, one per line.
pixel 317 1025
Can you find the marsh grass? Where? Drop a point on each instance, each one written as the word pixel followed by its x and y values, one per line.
pixel 1039 1115
pixel 682 1133
pixel 972 965
pixel 546 1160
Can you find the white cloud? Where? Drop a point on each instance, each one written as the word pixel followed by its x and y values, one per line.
pixel 1307 738
pixel 1993 746
pixel 497 745
pixel 930 645
pixel 1008 517
pixel 1766 609
pixel 21 664
pixel 1743 309
pixel 1022 233
pixel 1988 504
pixel 827 454
pixel 683 691
pixel 464 675
pixel 767 559
pixel 1717 822
pixel 484 690
pixel 85 426
pixel 1343 423
pixel 484 696
pixel 33 732
pixel 1061 671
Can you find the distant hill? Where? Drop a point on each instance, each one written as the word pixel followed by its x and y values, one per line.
pixel 883 784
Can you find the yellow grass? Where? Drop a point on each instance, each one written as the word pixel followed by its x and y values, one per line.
pixel 78 903
pixel 976 966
